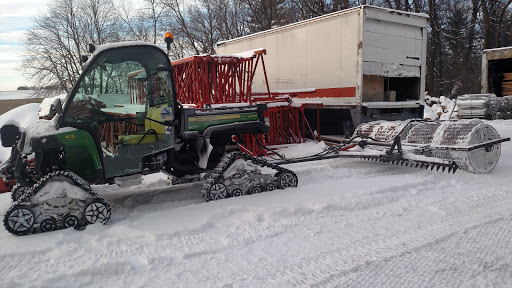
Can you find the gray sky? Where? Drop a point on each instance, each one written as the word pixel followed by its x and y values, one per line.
pixel 15 17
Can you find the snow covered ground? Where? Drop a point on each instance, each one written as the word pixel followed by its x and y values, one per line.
pixel 349 223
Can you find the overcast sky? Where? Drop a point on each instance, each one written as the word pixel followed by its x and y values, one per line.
pixel 15 17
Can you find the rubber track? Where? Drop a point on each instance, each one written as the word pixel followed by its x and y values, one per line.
pixel 41 183
pixel 216 175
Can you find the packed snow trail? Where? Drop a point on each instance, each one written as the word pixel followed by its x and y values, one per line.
pixel 349 223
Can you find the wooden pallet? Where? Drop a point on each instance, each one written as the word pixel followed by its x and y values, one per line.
pixel 506 85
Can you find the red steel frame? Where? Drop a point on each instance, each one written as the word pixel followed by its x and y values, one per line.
pixel 212 79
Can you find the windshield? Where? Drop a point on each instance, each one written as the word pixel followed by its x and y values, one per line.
pixel 121 81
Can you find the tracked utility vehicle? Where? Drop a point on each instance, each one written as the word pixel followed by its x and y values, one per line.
pixel 122 120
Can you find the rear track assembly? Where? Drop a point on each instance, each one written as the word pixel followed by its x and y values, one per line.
pixel 240 174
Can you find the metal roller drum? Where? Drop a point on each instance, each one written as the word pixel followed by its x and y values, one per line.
pixel 447 141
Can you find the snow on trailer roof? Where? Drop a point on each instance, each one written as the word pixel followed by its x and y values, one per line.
pixel 319 18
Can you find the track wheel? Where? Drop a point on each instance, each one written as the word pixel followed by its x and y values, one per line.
pixel 256 189
pixel 286 179
pixel 237 192
pixel 95 211
pixel 17 192
pixel 70 221
pixel 19 220
pixel 270 187
pixel 218 191
pixel 48 224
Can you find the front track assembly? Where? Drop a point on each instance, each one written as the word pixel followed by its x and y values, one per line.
pixel 59 200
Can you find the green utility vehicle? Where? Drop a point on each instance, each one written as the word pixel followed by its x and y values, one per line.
pixel 122 120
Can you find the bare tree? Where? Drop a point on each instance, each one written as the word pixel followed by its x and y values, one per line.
pixel 153 10
pixel 493 16
pixel 133 20
pixel 51 57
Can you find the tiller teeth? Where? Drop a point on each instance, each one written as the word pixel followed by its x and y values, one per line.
pixel 438 164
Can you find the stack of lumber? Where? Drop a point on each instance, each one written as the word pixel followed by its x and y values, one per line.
pixel 507 84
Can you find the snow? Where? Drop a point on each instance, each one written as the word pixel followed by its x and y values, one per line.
pixel 248 54
pixel 397 104
pixel 41 128
pixel 46 104
pixel 498 49
pixel 24 116
pixel 349 223
pixel 440 108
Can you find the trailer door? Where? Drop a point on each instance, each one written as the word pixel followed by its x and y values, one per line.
pixel 392 58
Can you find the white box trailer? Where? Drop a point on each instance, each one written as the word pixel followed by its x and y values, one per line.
pixel 366 63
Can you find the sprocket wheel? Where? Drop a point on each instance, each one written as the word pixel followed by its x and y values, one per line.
pixel 95 211
pixel 218 191
pixel 19 220
pixel 48 224
pixel 17 192
pixel 287 179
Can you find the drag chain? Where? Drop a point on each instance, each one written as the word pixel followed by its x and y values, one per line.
pixel 244 181
pixel 35 213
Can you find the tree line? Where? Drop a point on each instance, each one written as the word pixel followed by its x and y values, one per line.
pixel 458 31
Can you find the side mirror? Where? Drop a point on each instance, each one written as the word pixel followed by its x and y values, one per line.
pixel 57 106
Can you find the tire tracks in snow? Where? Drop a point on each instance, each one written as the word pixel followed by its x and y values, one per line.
pixel 330 268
